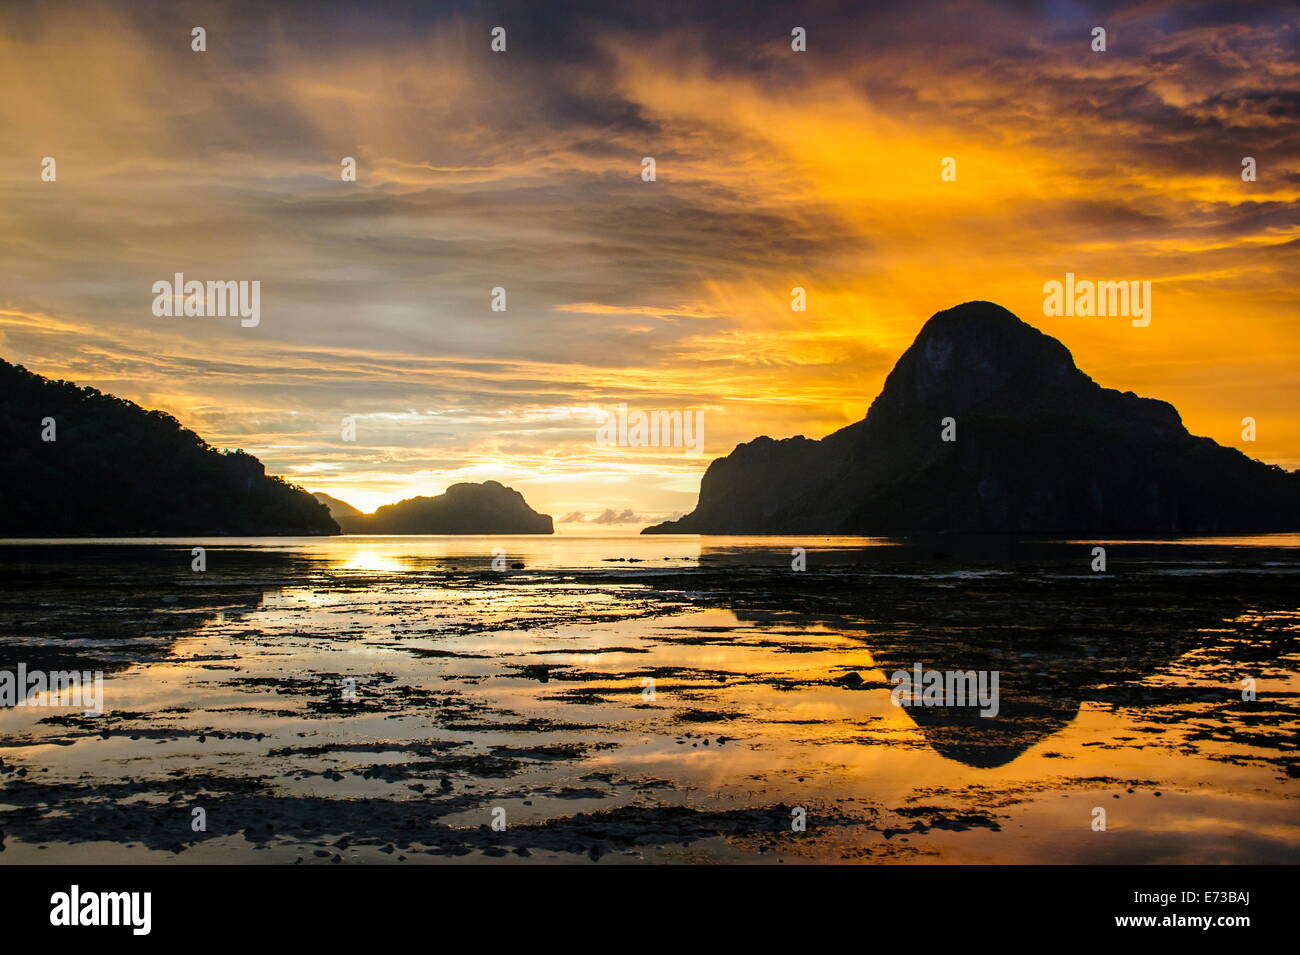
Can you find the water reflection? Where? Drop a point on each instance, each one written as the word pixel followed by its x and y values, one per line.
pixel 528 687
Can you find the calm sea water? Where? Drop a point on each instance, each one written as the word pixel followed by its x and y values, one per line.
pixel 669 698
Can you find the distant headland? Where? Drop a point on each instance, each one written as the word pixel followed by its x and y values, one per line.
pixel 80 463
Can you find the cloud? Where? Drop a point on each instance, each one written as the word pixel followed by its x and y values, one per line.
pixel 522 171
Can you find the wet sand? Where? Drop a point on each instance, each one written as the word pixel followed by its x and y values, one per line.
pixel 526 690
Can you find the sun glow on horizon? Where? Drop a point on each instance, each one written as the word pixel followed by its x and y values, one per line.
pixel 671 294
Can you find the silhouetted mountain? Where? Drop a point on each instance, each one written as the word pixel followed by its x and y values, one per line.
pixel 115 469
pixel 344 514
pixel 1039 448
pixel 487 508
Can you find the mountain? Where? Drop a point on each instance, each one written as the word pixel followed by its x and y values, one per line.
pixel 1040 448
pixel 487 508
pixel 114 469
pixel 344 514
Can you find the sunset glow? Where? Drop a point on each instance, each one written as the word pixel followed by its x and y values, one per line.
pixel 523 171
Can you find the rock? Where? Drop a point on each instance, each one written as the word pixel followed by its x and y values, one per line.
pixel 1040 448
pixel 487 508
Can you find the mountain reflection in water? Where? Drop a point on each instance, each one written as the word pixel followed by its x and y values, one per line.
pixel 528 689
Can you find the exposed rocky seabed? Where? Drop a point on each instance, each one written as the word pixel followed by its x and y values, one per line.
pixel 665 699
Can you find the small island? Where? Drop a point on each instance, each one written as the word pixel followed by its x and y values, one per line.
pixel 466 508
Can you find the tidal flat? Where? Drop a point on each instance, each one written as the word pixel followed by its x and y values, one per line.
pixel 668 699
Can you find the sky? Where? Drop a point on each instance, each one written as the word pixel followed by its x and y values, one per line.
pixel 820 169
